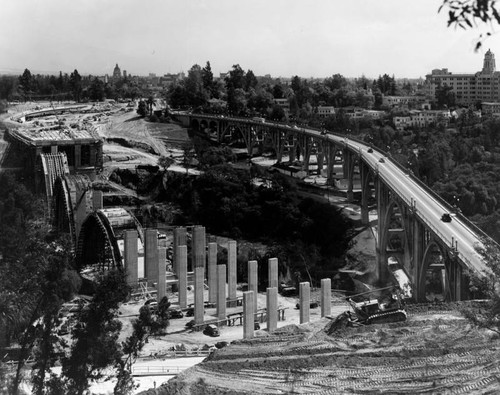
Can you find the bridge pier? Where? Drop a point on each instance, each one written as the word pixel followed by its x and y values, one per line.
pixel 382 205
pixel 365 194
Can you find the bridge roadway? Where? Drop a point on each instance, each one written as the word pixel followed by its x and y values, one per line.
pixel 427 208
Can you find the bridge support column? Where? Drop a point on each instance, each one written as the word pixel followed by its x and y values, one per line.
pixel 454 275
pixel 199 285
pixel 231 258
pixel 330 161
pixel 326 297
pixel 198 250
pixel 212 272
pixel 272 309
pixel 130 255
pixel 181 257
pixel 319 161
pixel 305 301
pixel 272 272
pixel 248 315
pixel 365 194
pixel 179 240
pixel 348 169
pixel 417 261
pixel 161 288
pixel 221 292
pixel 150 255
pixel 382 203
pixel 253 281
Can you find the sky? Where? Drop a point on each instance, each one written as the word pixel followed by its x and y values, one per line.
pixel 284 38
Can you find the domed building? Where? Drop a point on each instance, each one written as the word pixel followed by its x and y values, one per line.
pixel 117 74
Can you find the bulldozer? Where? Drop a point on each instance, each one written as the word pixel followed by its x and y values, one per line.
pixel 377 306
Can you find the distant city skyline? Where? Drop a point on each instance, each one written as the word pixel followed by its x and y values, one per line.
pixel 283 38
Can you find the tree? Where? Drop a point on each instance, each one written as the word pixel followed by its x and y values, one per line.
pixel 165 161
pixel 236 78
pixel 188 153
pixel 208 78
pixel 445 96
pixel 487 285
pixel 96 90
pixel 150 103
pixel 194 86
pixel 75 82
pixel 142 109
pixel 250 80
pixel 468 14
pixel 26 82
pixel 95 340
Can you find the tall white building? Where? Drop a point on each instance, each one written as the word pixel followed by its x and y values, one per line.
pixel 469 88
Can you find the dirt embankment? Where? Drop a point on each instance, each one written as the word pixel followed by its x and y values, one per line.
pixel 432 352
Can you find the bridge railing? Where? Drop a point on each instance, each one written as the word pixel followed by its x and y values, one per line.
pixel 156 370
pixel 427 189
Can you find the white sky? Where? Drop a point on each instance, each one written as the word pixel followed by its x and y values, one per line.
pixel 309 38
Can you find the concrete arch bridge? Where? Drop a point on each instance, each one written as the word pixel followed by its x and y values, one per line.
pixel 96 232
pixel 410 233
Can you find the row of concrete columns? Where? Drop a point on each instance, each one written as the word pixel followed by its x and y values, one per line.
pixel 249 306
pixel 154 262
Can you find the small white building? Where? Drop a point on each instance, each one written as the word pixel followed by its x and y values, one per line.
pixel 326 111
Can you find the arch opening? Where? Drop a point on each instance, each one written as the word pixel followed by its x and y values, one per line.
pixel 435 275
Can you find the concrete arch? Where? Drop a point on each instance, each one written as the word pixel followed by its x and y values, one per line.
pixel 195 125
pixel 69 197
pixel 203 124
pixel 434 276
pixel 394 235
pixel 98 248
pixel 213 126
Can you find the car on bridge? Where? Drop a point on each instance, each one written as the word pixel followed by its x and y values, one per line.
pixel 446 217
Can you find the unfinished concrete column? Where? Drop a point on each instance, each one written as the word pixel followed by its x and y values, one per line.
pixel 231 259
pixel 326 297
pixel 179 240
pixel 304 300
pixel 199 285
pixel 150 255
pixel 212 273
pixel 130 255
pixel 198 250
pixel 248 315
pixel 272 309
pixel 272 272
pixel 181 257
pixel 97 203
pixel 252 281
pixel 221 292
pixel 162 271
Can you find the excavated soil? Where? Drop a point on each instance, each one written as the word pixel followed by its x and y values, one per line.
pixel 433 352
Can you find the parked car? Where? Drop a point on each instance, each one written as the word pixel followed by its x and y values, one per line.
pixel 176 313
pixel 211 330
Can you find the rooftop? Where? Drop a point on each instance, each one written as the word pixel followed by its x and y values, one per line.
pixel 49 136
